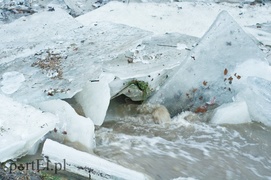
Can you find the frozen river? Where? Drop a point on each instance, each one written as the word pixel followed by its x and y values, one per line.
pixel 186 149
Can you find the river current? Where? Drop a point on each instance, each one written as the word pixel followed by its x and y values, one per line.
pixel 187 149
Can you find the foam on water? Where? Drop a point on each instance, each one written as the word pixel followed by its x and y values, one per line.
pixel 187 149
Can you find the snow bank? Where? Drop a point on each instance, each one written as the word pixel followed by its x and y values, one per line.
pixel 21 127
pixel 72 129
pixel 207 76
pixel 87 165
pixel 231 113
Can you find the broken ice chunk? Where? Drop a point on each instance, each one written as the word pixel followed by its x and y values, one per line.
pixel 258 98
pixel 231 113
pixel 207 72
pixel 95 97
pixel 72 129
pixel 57 70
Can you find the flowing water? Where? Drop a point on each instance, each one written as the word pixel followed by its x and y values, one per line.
pixel 187 149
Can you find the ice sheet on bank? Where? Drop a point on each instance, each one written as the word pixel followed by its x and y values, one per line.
pixel 231 113
pixel 72 129
pixel 207 75
pixel 87 165
pixel 62 59
pixel 21 126
pixel 191 18
pixel 258 99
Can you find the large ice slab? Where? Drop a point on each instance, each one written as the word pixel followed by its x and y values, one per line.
pixel 72 129
pixel 88 165
pixel 155 17
pixel 152 61
pixel 160 52
pixel 58 60
pixel 21 127
pixel 207 76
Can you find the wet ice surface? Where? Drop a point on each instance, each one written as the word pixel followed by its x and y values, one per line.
pixel 192 149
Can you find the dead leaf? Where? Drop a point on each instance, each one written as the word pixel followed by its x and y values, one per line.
pixel 230 78
pixel 225 71
pixel 201 109
pixel 194 90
